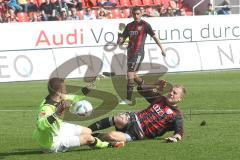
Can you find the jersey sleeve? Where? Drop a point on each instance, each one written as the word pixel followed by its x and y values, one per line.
pixel 148 92
pixel 178 125
pixel 73 98
pixel 149 30
pixel 125 33
pixel 42 121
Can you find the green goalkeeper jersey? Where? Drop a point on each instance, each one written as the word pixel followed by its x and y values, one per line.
pixel 45 131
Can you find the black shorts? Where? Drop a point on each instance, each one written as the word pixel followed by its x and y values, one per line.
pixel 134 62
pixel 132 128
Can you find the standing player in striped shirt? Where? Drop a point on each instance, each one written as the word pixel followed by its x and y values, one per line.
pixel 161 116
pixel 137 32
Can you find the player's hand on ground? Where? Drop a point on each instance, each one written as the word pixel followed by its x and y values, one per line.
pixel 171 139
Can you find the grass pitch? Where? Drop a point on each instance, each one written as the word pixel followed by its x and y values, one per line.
pixel 212 96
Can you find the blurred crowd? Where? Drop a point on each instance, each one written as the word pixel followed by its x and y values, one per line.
pixel 58 10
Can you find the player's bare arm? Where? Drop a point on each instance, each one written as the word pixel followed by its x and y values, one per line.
pixel 159 44
pixel 120 40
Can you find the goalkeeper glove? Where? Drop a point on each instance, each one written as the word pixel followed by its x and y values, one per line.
pixel 61 107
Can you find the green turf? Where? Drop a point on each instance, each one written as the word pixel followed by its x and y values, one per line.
pixel 212 96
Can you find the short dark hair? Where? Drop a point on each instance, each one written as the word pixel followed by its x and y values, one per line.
pixel 135 9
pixel 210 4
pixel 55 85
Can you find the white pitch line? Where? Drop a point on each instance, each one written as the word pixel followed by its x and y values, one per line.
pixel 17 110
pixel 229 110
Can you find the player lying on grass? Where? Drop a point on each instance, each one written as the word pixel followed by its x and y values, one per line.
pixel 161 116
pixel 51 132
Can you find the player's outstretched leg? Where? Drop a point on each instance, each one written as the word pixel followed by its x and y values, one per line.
pixel 116 144
pixel 111 143
pixel 102 124
pixel 97 143
pixel 130 87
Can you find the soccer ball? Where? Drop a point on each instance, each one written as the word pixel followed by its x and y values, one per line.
pixel 81 108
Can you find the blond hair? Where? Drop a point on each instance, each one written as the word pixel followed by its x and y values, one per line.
pixel 184 91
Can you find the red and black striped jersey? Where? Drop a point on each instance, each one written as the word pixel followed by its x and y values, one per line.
pixel 159 118
pixel 137 33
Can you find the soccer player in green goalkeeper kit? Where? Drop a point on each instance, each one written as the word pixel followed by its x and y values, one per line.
pixel 52 133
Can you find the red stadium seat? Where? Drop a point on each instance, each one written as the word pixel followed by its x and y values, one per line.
pixel 125 3
pixel 157 2
pixel 165 2
pixel 147 2
pixel 115 1
pixel 116 13
pixel 22 17
pixel 93 3
pixel 84 4
pixel 136 2
pixel 88 3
